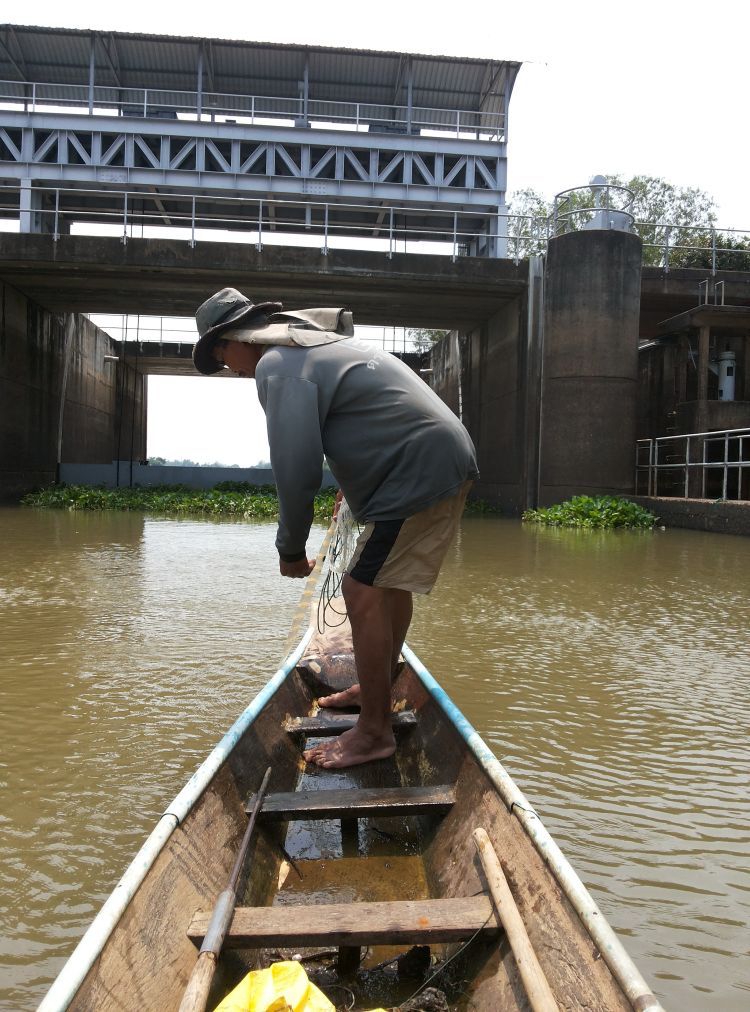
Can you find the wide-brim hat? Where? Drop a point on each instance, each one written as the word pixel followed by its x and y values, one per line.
pixel 306 328
pixel 221 312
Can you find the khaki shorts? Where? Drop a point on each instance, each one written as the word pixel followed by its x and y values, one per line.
pixel 407 554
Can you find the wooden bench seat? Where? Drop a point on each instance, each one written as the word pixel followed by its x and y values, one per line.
pixel 326 724
pixel 360 803
pixel 411 922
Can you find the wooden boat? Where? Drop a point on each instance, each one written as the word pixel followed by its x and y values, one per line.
pixel 363 863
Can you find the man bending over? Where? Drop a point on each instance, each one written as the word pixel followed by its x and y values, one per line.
pixel 403 461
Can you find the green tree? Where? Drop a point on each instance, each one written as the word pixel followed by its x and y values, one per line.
pixel 527 225
pixel 676 223
pixel 425 339
pixel 673 221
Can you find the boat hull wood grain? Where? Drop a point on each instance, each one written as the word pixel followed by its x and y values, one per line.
pixel 387 847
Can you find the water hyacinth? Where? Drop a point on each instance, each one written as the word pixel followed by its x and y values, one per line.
pixel 228 499
pixel 601 512
pixel 248 502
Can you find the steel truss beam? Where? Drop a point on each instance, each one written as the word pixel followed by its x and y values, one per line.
pixel 236 159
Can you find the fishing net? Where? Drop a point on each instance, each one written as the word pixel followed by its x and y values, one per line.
pixel 339 556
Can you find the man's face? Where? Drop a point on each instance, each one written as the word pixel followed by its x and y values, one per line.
pixel 240 358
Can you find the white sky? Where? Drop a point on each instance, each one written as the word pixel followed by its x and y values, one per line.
pixel 654 88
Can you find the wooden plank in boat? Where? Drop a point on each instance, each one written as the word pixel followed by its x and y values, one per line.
pixel 362 803
pixel 324 725
pixel 416 922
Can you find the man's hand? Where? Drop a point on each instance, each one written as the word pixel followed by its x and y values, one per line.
pixel 337 504
pixel 297 570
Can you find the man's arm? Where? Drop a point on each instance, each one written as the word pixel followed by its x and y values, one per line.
pixel 293 423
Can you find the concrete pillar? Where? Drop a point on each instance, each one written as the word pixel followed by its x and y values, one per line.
pixel 701 415
pixel 704 337
pixel 37 211
pixel 590 365
pixel 497 233
pixel 682 368
pixel 25 209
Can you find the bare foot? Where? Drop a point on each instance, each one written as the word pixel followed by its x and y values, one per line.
pixel 347 697
pixel 352 748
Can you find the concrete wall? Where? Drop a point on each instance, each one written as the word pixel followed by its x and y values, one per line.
pixel 658 393
pixel 590 365
pixel 668 390
pixel 59 399
pixel 717 414
pixel 482 377
pixel 146 475
pixel 699 514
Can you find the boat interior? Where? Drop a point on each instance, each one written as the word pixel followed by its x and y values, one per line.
pixel 368 876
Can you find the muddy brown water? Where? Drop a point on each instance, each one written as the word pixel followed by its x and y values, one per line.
pixel 609 672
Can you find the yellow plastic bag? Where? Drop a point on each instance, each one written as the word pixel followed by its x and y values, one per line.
pixel 283 987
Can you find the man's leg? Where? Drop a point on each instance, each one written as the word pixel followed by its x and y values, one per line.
pixel 379 618
pixel 400 609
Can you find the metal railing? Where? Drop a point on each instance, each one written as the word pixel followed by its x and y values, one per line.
pixel 163 103
pixel 452 232
pixel 712 249
pixel 601 205
pixel 168 334
pixel 327 225
pixel 705 465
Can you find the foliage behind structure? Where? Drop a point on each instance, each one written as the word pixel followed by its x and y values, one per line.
pixel 689 212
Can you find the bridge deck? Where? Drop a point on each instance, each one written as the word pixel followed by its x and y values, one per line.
pixel 170 278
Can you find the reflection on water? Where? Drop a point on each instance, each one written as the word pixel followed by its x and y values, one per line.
pixel 609 672
pixel 618 669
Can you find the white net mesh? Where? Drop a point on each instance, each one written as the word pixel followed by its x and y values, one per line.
pixel 342 545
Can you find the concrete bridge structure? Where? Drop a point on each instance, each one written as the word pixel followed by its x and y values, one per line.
pixel 198 169
pixel 71 394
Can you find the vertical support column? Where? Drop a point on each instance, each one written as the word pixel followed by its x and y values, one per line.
pixel 306 91
pixel 37 210
pixel 696 484
pixel 25 209
pixel 590 365
pixel 704 340
pixel 199 84
pixel 497 234
pixel 746 368
pixel 682 367
pixel 409 95
pixel 533 379
pixel 92 72
pixel 70 330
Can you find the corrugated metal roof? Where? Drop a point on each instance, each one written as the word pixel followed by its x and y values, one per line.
pixel 62 55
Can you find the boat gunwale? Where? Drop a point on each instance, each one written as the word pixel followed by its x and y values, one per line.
pixel 622 967
pixel 73 973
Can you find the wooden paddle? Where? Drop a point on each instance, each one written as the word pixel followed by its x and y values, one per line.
pixel 196 993
pixel 538 990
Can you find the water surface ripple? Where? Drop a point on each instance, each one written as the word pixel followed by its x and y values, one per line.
pixel 609 672
pixel 611 675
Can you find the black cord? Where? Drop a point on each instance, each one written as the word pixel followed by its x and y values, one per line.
pixel 331 586
pixel 448 961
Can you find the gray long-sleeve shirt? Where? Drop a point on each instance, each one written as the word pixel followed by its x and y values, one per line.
pixel 393 446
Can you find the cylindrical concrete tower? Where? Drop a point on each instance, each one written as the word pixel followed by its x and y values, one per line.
pixel 590 365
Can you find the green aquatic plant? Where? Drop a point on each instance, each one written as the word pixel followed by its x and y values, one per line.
pixel 229 499
pixel 594 512
pixel 481 507
pixel 251 503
